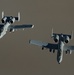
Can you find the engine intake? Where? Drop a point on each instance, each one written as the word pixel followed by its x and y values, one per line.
pixel 4 20
pixel 12 20
pixel 66 39
pixel 56 38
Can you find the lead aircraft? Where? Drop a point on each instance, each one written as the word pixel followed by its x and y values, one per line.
pixel 59 46
pixel 7 22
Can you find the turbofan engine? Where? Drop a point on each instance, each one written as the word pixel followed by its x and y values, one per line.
pixel 12 20
pixel 11 30
pixel 67 39
pixel 4 19
pixel 69 51
pixel 56 38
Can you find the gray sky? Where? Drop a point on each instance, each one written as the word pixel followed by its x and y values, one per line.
pixel 17 56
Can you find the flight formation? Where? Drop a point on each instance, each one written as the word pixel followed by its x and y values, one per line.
pixel 61 40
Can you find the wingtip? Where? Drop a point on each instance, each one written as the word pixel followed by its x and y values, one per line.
pixel 32 26
pixel 29 41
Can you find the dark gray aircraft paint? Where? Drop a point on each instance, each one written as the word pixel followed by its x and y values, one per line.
pixel 17 56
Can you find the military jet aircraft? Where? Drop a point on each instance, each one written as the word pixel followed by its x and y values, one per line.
pixel 59 46
pixel 7 22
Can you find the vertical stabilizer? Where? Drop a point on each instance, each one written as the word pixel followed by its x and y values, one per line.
pixel 71 35
pixel 18 16
pixel 52 33
pixel 2 14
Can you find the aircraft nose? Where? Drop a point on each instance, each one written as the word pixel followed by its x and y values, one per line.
pixel 59 62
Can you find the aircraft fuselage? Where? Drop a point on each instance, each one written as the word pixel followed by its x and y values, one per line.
pixel 4 29
pixel 60 51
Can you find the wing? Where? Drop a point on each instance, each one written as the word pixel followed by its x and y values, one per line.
pixel 21 26
pixel 43 44
pixel 1 26
pixel 68 47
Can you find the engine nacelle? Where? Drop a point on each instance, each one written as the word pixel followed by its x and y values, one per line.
pixel 4 19
pixel 12 20
pixel 67 39
pixel 11 30
pixel 56 38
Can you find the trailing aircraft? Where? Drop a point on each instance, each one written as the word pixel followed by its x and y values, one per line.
pixel 59 46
